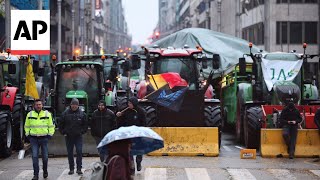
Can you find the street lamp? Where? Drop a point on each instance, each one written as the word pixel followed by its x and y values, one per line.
pixel 59 30
pixel 72 25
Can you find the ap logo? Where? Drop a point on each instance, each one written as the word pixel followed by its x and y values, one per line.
pixel 30 32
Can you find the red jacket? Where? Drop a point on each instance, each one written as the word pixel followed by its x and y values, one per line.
pixel 118 169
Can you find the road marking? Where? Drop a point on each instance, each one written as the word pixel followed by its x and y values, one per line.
pixel 240 174
pixel 226 148
pixel 1 172
pixel 155 174
pixel 197 173
pixel 281 174
pixel 316 172
pixel 26 174
pixel 66 176
pixel 239 147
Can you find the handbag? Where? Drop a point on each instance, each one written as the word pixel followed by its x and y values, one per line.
pixel 96 170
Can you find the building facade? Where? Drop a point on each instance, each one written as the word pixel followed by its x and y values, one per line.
pixel 273 25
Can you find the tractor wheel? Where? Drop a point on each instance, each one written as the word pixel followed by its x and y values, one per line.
pixel 213 118
pixel 151 116
pixel 6 134
pixel 252 126
pixel 18 123
pixel 121 102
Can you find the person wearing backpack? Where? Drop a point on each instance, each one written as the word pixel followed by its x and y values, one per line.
pixel 118 161
pixel 102 122
pixel 73 124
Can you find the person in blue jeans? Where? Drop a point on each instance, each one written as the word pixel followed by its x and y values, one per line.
pixel 73 124
pixel 39 129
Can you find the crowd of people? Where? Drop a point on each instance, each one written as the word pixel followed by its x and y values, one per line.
pixel 73 124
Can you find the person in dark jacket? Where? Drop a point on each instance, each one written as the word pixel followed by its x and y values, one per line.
pixel 119 162
pixel 133 115
pixel 73 124
pixel 290 118
pixel 103 121
pixel 317 119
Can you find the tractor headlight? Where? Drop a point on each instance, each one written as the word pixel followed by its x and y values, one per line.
pixel 92 66
pixel 156 55
pixel 87 66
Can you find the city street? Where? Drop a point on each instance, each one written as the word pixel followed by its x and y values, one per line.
pixel 227 166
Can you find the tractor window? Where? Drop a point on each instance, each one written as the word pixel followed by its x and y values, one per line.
pixel 12 78
pixel 107 66
pixel 80 79
pixel 183 66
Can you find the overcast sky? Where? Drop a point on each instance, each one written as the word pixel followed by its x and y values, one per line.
pixel 142 18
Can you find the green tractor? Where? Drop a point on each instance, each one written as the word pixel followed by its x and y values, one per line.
pixel 120 78
pixel 83 80
pixel 261 84
pixel 76 79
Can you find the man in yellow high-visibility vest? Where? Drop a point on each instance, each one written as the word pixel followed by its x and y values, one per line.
pixel 39 129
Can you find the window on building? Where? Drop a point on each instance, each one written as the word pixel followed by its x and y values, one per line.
pixel 254 33
pixel 296 1
pixel 310 32
pixel 296 32
pixel 252 4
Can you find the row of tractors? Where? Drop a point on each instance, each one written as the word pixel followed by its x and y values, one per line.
pixel 237 98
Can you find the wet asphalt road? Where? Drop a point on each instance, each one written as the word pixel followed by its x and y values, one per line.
pixel 227 166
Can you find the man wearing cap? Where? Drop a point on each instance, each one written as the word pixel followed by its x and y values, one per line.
pixel 290 118
pixel 73 124
pixel 103 121
pixel 133 115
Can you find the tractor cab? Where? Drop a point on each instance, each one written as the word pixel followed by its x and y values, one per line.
pixel 79 79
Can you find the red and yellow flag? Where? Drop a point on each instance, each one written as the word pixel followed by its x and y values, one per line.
pixel 173 79
pixel 31 87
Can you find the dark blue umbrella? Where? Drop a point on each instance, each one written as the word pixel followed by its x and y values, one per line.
pixel 143 139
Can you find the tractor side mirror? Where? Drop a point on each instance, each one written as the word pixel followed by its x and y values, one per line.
pixel 12 69
pixel 35 66
pixel 41 72
pixel 136 62
pixel 242 66
pixel 125 66
pixel 204 63
pixel 216 61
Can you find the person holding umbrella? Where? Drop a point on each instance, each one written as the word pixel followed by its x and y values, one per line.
pixel 124 142
pixel 133 115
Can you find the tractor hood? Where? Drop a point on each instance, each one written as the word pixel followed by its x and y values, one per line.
pixel 287 91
